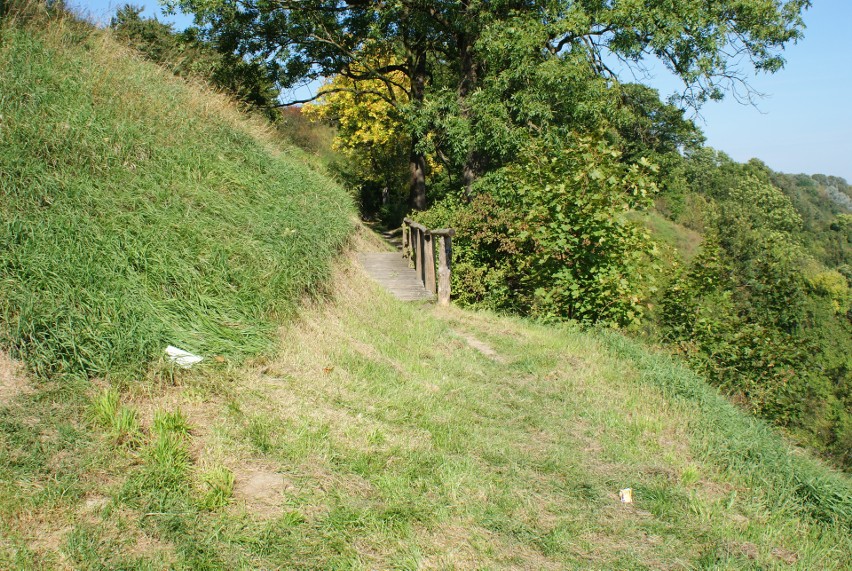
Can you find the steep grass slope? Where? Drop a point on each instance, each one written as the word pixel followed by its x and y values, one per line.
pixel 137 211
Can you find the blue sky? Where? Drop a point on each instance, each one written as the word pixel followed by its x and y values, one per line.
pixel 804 124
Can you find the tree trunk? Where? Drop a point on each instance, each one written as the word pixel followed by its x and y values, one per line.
pixel 471 171
pixel 417 160
pixel 469 68
pixel 417 179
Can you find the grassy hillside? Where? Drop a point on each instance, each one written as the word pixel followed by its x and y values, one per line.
pixel 137 211
pixel 390 435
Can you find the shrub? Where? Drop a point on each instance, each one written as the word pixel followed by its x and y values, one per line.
pixel 547 236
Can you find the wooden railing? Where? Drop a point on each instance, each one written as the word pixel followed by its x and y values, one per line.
pixel 418 244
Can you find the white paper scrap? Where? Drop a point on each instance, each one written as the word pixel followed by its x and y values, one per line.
pixel 182 358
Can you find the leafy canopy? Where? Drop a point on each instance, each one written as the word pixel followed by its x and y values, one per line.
pixel 483 77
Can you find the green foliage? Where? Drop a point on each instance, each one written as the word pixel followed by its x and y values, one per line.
pixel 825 204
pixel 756 314
pixel 644 124
pixel 548 236
pixel 692 38
pixel 477 79
pixel 726 342
pixel 134 214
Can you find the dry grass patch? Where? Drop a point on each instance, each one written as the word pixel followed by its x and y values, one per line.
pixel 260 490
pixel 481 346
pixel 45 533
pixel 13 381
pixel 464 545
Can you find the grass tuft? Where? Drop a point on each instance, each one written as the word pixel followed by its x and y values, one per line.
pixel 219 488
pixel 170 422
pixel 105 407
pixel 121 421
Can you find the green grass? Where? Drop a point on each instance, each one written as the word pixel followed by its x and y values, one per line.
pixel 384 439
pixel 136 212
pixel 219 487
pixel 676 241
pixel 121 421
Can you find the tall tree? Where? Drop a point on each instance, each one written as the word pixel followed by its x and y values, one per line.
pixel 490 62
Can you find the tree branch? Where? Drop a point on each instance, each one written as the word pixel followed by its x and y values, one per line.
pixel 352 90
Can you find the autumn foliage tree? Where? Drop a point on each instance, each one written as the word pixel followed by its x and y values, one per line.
pixel 371 134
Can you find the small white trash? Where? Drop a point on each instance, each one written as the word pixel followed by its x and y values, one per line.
pixel 182 358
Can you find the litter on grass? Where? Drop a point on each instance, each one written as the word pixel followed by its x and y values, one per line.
pixel 182 358
pixel 626 495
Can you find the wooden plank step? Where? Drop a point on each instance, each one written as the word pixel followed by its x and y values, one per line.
pixel 391 271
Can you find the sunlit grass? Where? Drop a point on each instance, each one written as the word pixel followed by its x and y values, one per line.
pixel 381 436
pixel 137 214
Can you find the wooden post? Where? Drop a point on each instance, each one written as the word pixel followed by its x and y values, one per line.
pixel 420 264
pixel 445 255
pixel 429 264
pixel 406 229
pixel 415 241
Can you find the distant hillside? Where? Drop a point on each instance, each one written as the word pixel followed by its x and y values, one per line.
pixel 138 211
pixel 820 199
pixel 840 193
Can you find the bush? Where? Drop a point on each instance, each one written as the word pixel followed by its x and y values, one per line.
pixel 548 237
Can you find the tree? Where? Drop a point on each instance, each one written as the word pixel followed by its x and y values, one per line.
pixel 756 313
pixel 370 134
pixel 505 69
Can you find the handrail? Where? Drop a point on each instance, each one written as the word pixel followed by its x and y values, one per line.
pixel 417 244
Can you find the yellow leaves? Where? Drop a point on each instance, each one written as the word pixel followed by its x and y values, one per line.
pixel 369 126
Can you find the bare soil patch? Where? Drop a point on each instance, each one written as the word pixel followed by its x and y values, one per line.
pixel 13 381
pixel 260 489
pixel 785 555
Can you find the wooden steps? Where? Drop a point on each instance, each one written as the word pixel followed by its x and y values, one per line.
pixel 391 271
